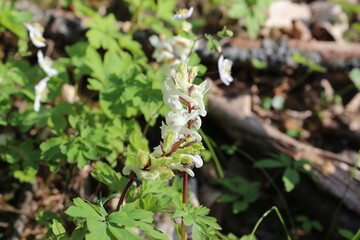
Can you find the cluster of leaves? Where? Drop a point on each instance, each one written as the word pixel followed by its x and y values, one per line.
pixel 240 193
pixel 291 174
pixel 252 11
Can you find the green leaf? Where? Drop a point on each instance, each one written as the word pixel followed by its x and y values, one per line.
pixel 228 198
pixel 105 174
pixel 240 206
pixel 94 62
pixel 346 233
pixel 266 103
pixel 140 214
pixel 258 64
pixel 75 155
pixel 79 233
pixel 165 8
pixel 122 219
pixel 238 10
pixel 122 233
pixel 317 225
pixel 212 43
pixel 269 163
pixel 58 230
pixel 290 178
pixel 355 77
pixel 225 33
pixel 84 209
pixel 209 221
pixel 98 230
pixel 151 232
pixel 197 232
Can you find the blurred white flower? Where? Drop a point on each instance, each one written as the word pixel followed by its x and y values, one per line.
pixel 40 92
pixel 36 34
pixel 183 14
pixel 224 66
pixel 45 63
pixel 171 52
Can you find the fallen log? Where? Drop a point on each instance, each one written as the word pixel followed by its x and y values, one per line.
pixel 278 53
pixel 332 171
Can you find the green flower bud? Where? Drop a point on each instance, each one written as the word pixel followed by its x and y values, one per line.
pixel 169 139
pixel 142 158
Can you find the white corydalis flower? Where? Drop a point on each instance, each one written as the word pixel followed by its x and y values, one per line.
pixel 196 159
pixel 40 91
pixel 183 14
pixel 36 34
pixel 224 66
pixel 45 63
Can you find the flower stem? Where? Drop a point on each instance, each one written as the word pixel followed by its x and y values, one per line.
pixel 185 197
pixel 125 191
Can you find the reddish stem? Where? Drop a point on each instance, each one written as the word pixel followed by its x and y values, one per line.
pixel 125 191
pixel 184 201
pixel 185 186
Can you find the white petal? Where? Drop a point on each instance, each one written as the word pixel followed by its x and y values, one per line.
pixel 35 33
pixel 45 64
pixel 224 66
pixel 183 14
pixel 196 159
pixel 181 168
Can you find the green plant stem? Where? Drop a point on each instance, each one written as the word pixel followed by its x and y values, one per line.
pixel 136 18
pixel 211 149
pixel 338 208
pixel 262 218
pixel 193 46
pixel 357 235
pixel 268 177
pixel 300 80
pixel 184 201
pixel 345 89
pixel 125 191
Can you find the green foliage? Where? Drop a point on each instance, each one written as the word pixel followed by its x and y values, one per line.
pixel 301 59
pixel 291 176
pixel 258 64
pixel 308 224
pixel 203 227
pixel 58 230
pixel 355 77
pixel 12 19
pixel 212 43
pixel 101 225
pixel 240 193
pixel 251 11
pixel 103 32
pixel 23 158
pixel 225 33
pixel 347 234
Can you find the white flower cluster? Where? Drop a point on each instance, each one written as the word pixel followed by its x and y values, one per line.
pixel 186 102
pixel 36 36
pixel 179 130
pixel 171 52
